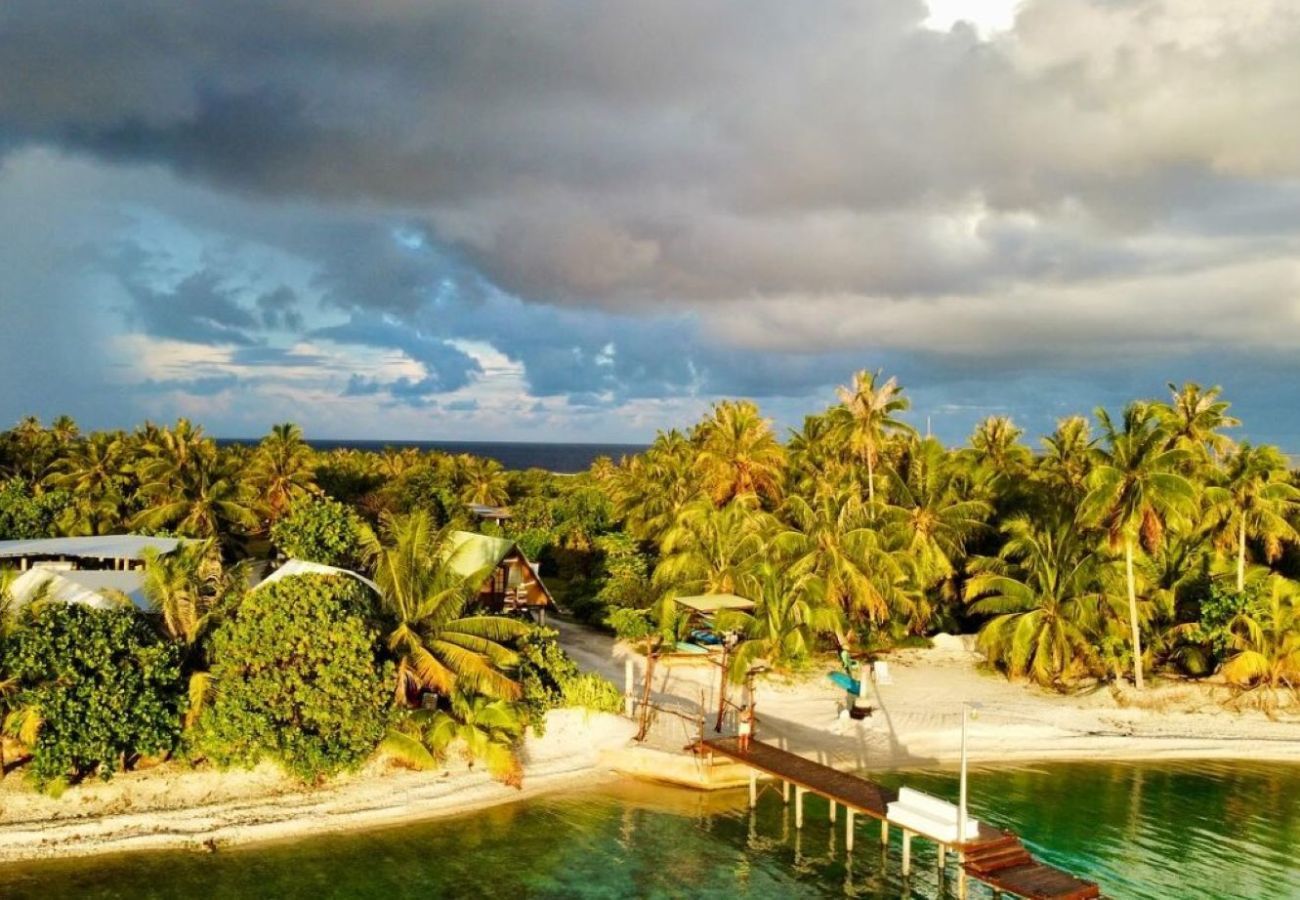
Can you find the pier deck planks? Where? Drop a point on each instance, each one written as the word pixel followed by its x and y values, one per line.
pixel 997 858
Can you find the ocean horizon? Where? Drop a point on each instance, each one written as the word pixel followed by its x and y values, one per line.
pixel 554 456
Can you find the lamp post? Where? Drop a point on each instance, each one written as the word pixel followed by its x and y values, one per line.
pixel 969 709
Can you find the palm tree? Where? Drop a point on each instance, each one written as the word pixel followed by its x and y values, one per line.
pixel 1194 417
pixel 929 518
pixel 817 459
pixel 995 447
pixel 829 541
pixel 184 588
pixel 787 618
pixel 869 417
pixel 481 480
pixel 710 550
pixel 1251 501
pixel 1042 591
pixel 282 470
pixel 651 489
pixel 1133 492
pixel 1266 640
pixel 94 472
pixel 438 642
pixel 739 454
pixel 1070 453
pixel 191 487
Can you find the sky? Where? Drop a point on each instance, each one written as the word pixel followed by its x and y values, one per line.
pixel 578 221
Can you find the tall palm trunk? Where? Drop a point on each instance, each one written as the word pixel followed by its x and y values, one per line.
pixel 1133 614
pixel 1241 556
pixel 871 483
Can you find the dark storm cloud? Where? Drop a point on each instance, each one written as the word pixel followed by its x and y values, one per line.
pixel 680 151
pixel 200 308
pixel 689 197
pixel 447 367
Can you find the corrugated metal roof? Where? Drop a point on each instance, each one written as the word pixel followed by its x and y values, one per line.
pixel 472 554
pixel 303 567
pixel 79 586
pixel 109 546
pixel 715 602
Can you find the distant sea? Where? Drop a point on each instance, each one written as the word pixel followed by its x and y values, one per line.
pixel 553 457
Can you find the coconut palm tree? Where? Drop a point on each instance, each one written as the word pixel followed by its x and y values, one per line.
pixel 184 588
pixel 651 489
pixel 928 517
pixel 1133 492
pixel 437 640
pixel 481 480
pixel 1266 641
pixel 829 541
pixel 94 472
pixel 1193 418
pixel 710 550
pixel 1070 452
pixel 190 487
pixel 739 454
pixel 868 416
pixel 818 463
pixel 1043 593
pixel 282 470
pixel 1251 499
pixel 786 620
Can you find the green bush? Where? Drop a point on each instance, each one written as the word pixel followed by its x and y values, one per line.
pixel 103 684
pixel 552 680
pixel 298 680
pixel 632 624
pixel 319 530
pixel 24 515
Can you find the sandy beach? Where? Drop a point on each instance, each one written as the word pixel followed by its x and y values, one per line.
pixel 915 723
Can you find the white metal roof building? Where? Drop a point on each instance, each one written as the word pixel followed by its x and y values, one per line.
pixel 303 567
pixel 93 588
pixel 119 549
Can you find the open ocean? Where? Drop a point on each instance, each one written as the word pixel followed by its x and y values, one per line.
pixel 553 457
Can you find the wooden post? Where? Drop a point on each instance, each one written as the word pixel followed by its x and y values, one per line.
pixel 907 852
pixel 961 876
pixel 629 687
pixel 884 832
pixel 785 792
pixel 798 806
pixel 722 689
pixel 848 829
pixel 753 788
pixel 832 811
pixel 943 856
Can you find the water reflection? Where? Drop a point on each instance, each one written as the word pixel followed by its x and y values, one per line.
pixel 1152 830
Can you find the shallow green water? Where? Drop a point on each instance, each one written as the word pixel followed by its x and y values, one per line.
pixel 1142 830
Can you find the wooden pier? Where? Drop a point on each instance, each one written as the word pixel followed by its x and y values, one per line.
pixel 995 858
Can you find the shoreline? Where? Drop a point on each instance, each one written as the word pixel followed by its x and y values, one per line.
pixel 378 800
pixel 916 724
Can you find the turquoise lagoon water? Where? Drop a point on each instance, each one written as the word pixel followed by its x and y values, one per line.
pixel 1159 830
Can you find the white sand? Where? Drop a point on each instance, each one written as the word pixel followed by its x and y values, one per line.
pixel 916 722
pixel 917 718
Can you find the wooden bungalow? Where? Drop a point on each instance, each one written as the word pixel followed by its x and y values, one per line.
pixel 511 584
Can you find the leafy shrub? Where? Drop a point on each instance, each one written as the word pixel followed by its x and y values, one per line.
pixel 551 680
pixel 591 691
pixel 632 624
pixel 103 685
pixel 319 530
pixel 24 515
pixel 298 680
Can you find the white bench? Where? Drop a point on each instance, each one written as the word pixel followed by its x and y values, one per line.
pixel 929 817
